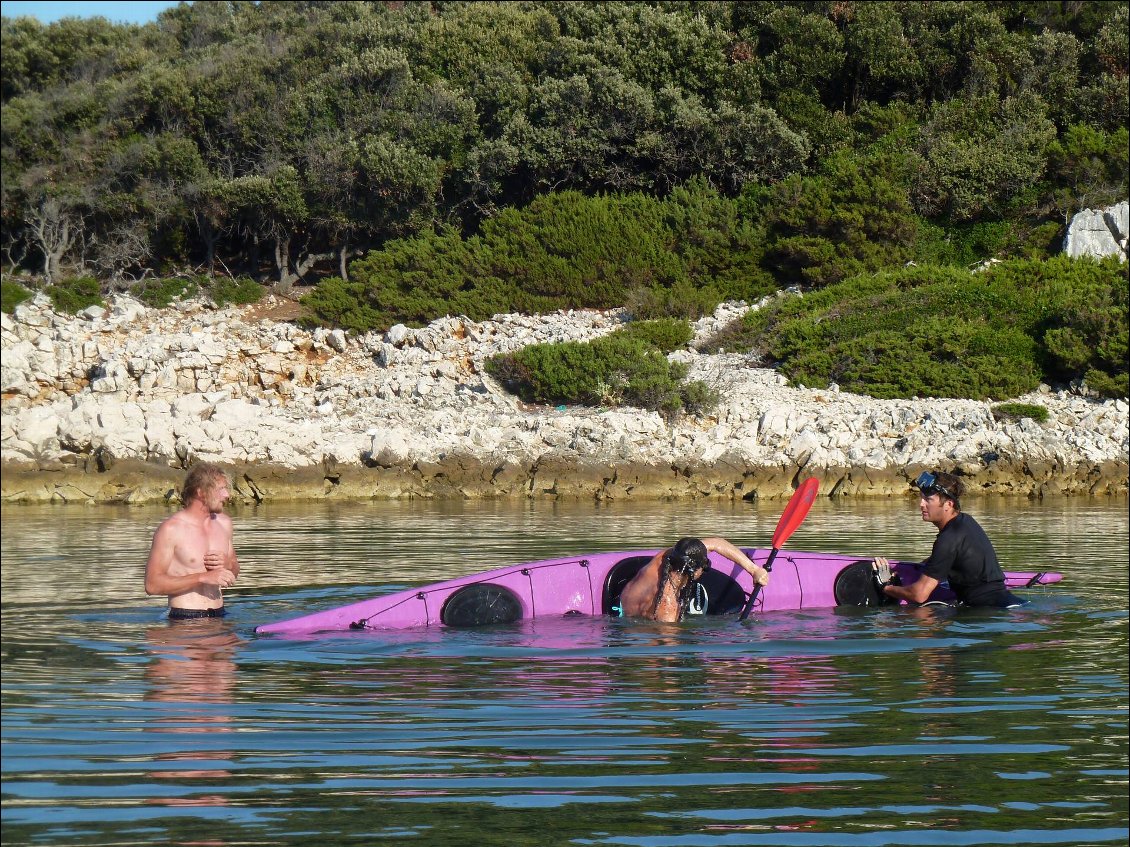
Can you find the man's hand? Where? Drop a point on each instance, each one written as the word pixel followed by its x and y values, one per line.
pixel 219 576
pixel 884 576
pixel 882 570
pixel 760 575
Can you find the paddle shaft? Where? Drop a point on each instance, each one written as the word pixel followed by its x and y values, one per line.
pixel 757 586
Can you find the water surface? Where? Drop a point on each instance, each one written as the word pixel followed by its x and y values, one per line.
pixel 822 727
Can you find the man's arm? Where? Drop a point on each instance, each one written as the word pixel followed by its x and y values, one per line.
pixel 918 591
pixel 231 562
pixel 721 545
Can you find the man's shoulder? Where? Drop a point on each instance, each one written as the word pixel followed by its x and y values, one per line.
pixel 966 523
pixel 958 523
pixel 175 523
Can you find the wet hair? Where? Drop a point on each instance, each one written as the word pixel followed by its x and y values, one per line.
pixel 202 477
pixel 688 555
pixel 689 558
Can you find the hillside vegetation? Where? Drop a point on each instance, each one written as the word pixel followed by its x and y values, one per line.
pixel 401 161
pixel 949 332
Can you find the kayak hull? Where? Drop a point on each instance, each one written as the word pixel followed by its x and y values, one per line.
pixel 590 585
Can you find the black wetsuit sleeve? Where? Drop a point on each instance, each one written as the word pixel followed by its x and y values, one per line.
pixel 942 557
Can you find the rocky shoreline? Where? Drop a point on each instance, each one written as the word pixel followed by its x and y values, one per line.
pixel 111 405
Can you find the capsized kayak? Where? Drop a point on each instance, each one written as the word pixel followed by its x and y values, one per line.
pixel 591 585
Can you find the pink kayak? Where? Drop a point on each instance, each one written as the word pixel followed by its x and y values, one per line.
pixel 591 585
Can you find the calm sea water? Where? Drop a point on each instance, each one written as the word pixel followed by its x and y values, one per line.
pixel 832 727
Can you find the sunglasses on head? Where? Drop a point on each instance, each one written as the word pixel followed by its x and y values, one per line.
pixel 927 483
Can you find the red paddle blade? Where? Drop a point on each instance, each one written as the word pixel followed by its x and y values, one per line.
pixel 794 513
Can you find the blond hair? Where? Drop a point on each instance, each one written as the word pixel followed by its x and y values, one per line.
pixel 203 476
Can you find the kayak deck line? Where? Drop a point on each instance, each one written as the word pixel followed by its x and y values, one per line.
pixel 591 584
pixel 439 587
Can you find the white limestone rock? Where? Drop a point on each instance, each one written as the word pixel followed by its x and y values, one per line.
pixel 391 447
pixel 1099 232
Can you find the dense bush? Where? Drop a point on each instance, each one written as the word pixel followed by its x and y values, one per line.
pixel 1084 331
pixel 948 332
pixel 665 334
pixel 1019 411
pixel 72 295
pixel 495 157
pixel 617 369
pixel 241 292
pixel 11 295
pixel 676 257
pixel 1087 167
pixel 278 140
pixel 341 303
pixel 159 293
pixel 852 217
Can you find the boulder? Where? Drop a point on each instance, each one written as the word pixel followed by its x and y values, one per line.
pixel 390 447
pixel 1099 232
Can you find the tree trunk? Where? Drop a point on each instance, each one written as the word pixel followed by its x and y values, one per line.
pixel 343 257
pixel 52 231
pixel 210 236
pixel 290 273
pixel 282 262
pixel 54 258
pixel 308 261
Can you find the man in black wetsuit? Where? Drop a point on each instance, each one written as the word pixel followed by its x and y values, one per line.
pixel 962 554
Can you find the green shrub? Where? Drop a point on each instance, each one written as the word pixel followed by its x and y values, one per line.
pixel 414 281
pixel 978 153
pixel 241 291
pixel 681 300
pixel 335 302
pixel 698 397
pixel 1087 168
pixel 676 257
pixel 11 295
pixel 159 293
pixel 947 332
pixel 666 334
pixel 549 373
pixel 963 244
pixel 852 217
pixel 1017 411
pixel 1042 241
pixel 583 251
pixel 614 370
pixel 71 296
pixel 1085 334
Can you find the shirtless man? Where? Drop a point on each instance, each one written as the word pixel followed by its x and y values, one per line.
pixel 665 586
pixel 192 556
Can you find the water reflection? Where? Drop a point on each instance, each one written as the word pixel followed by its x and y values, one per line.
pixel 192 672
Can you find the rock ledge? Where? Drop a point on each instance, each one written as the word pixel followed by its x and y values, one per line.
pixel 113 404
